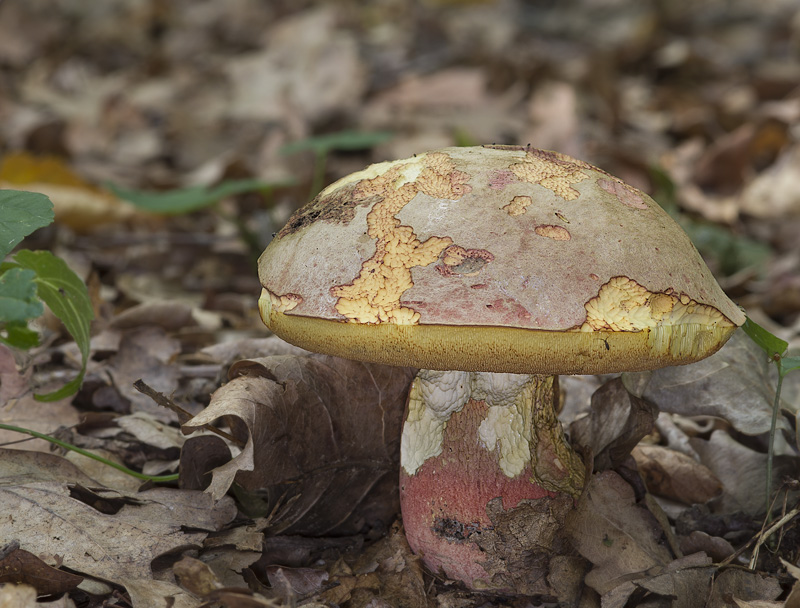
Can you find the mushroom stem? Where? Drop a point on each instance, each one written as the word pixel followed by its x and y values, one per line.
pixel 468 438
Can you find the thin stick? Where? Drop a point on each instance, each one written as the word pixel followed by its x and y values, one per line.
pixel 183 415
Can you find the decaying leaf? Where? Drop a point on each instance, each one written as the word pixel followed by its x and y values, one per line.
pixel 19 467
pixel 78 204
pixel 322 435
pixel 616 423
pixel 46 520
pixel 744 586
pixel 675 475
pixel 386 574
pixel 741 470
pixel 23 567
pixel 686 581
pixel 619 537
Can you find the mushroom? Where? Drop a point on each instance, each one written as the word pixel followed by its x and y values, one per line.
pixel 491 269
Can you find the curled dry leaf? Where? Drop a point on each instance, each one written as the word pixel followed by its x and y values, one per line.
pixel 675 475
pixel 615 424
pixel 321 440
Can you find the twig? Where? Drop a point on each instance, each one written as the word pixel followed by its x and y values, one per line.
pixel 765 534
pixel 182 414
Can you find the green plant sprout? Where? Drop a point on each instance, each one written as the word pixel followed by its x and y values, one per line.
pixel 81 451
pixel 194 198
pixel 34 278
pixel 776 349
pixel 323 145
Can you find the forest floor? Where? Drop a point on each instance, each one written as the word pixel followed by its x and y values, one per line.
pixel 174 139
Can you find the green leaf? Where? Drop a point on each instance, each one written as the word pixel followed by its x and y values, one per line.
pixel 342 140
pixel 19 335
pixel 769 343
pixel 789 364
pixel 67 296
pixel 18 300
pixel 175 202
pixel 20 214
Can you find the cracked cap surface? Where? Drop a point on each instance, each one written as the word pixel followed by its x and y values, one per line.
pixel 495 258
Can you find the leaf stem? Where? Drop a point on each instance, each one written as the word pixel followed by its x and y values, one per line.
pixel 74 448
pixel 772 430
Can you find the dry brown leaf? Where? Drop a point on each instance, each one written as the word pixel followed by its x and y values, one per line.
pixel 21 566
pixel 718 549
pixel 446 89
pixel 30 413
pixel 196 576
pixel 741 470
pixel 76 203
pixel 118 548
pixel 621 538
pixel 291 582
pixel 744 586
pixel 20 467
pixel 775 193
pixel 306 54
pixel 322 437
pixel 615 424
pixel 12 383
pixel 150 593
pixel 400 571
pixel 145 353
pixel 675 475
pixel 686 581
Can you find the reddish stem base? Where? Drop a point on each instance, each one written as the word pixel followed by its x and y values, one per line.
pixel 444 502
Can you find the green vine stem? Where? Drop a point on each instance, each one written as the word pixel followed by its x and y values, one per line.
pixel 74 448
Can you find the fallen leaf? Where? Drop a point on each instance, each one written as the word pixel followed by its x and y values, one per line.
pixel 734 384
pixel 685 582
pixel 76 203
pixel 744 586
pixel 775 192
pixel 120 547
pixel 715 547
pixel 617 421
pixel 23 567
pixel 322 440
pixel 145 353
pixel 618 536
pixel 290 75
pixel 741 470
pixel 196 576
pixel 18 596
pixel 675 475
pixel 20 467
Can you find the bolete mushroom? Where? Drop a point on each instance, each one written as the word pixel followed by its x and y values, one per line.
pixel 492 269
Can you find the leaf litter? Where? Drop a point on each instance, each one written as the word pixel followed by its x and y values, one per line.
pixel 698 107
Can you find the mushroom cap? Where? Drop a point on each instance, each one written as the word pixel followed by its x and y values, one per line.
pixel 492 258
